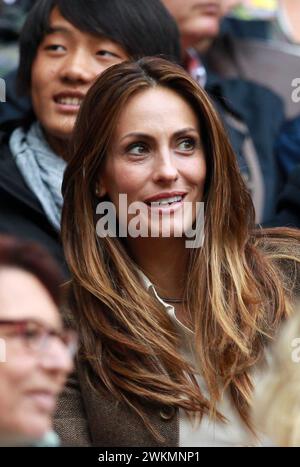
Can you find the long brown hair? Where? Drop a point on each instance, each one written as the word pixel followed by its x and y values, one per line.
pixel 237 293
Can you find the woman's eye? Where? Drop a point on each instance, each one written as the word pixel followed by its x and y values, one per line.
pixel 137 149
pixel 187 144
pixel 31 334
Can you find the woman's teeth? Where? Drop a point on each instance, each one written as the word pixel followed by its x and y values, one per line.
pixel 165 201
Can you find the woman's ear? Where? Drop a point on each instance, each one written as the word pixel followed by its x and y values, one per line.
pixel 100 190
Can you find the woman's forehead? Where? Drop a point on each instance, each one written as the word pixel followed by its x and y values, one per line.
pixel 23 296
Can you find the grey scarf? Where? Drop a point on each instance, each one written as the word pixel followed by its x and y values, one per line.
pixel 41 169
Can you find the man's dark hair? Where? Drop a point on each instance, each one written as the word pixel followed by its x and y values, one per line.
pixel 141 27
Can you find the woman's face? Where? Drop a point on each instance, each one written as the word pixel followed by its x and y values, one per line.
pixel 66 64
pixel 157 159
pixel 30 380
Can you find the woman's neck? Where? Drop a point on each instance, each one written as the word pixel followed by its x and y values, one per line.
pixel 164 261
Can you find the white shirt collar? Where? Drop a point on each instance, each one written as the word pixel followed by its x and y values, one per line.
pixel 169 308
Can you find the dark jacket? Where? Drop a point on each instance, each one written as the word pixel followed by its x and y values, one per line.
pixel 288 145
pixel 252 115
pixel 250 29
pixel 20 211
pixel 15 106
pixel 288 209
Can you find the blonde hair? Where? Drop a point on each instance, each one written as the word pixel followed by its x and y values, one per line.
pixel 276 406
pixel 236 292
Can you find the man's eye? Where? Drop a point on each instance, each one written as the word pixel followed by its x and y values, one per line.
pixel 187 144
pixel 106 53
pixel 137 149
pixel 55 48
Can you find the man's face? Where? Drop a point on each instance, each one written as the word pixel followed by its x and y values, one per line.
pixel 66 64
pixel 198 20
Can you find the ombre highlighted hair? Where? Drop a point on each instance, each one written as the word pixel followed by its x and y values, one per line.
pixel 240 283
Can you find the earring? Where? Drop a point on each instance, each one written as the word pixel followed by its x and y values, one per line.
pixel 97 193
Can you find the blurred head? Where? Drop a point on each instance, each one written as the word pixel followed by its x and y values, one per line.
pixel 198 20
pixel 277 398
pixel 35 357
pixel 65 45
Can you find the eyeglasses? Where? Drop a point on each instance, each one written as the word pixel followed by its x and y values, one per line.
pixel 36 337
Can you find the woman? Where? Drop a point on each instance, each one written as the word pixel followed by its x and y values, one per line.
pixel 64 46
pixel 35 349
pixel 170 335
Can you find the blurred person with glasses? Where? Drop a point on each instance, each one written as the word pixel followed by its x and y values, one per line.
pixel 36 349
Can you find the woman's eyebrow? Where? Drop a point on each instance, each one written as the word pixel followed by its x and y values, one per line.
pixel 183 131
pixel 33 320
pixel 146 135
pixel 137 134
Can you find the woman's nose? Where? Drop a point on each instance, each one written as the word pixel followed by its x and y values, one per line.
pixel 165 168
pixel 57 358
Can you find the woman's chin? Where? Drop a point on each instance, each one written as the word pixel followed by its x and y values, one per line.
pixel 33 430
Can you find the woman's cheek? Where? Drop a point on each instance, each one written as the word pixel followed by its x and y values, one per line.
pixel 130 181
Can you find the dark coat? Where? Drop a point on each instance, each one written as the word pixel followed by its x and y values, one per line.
pixel 20 211
pixel 288 145
pixel 288 209
pixel 252 115
pixel 15 107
